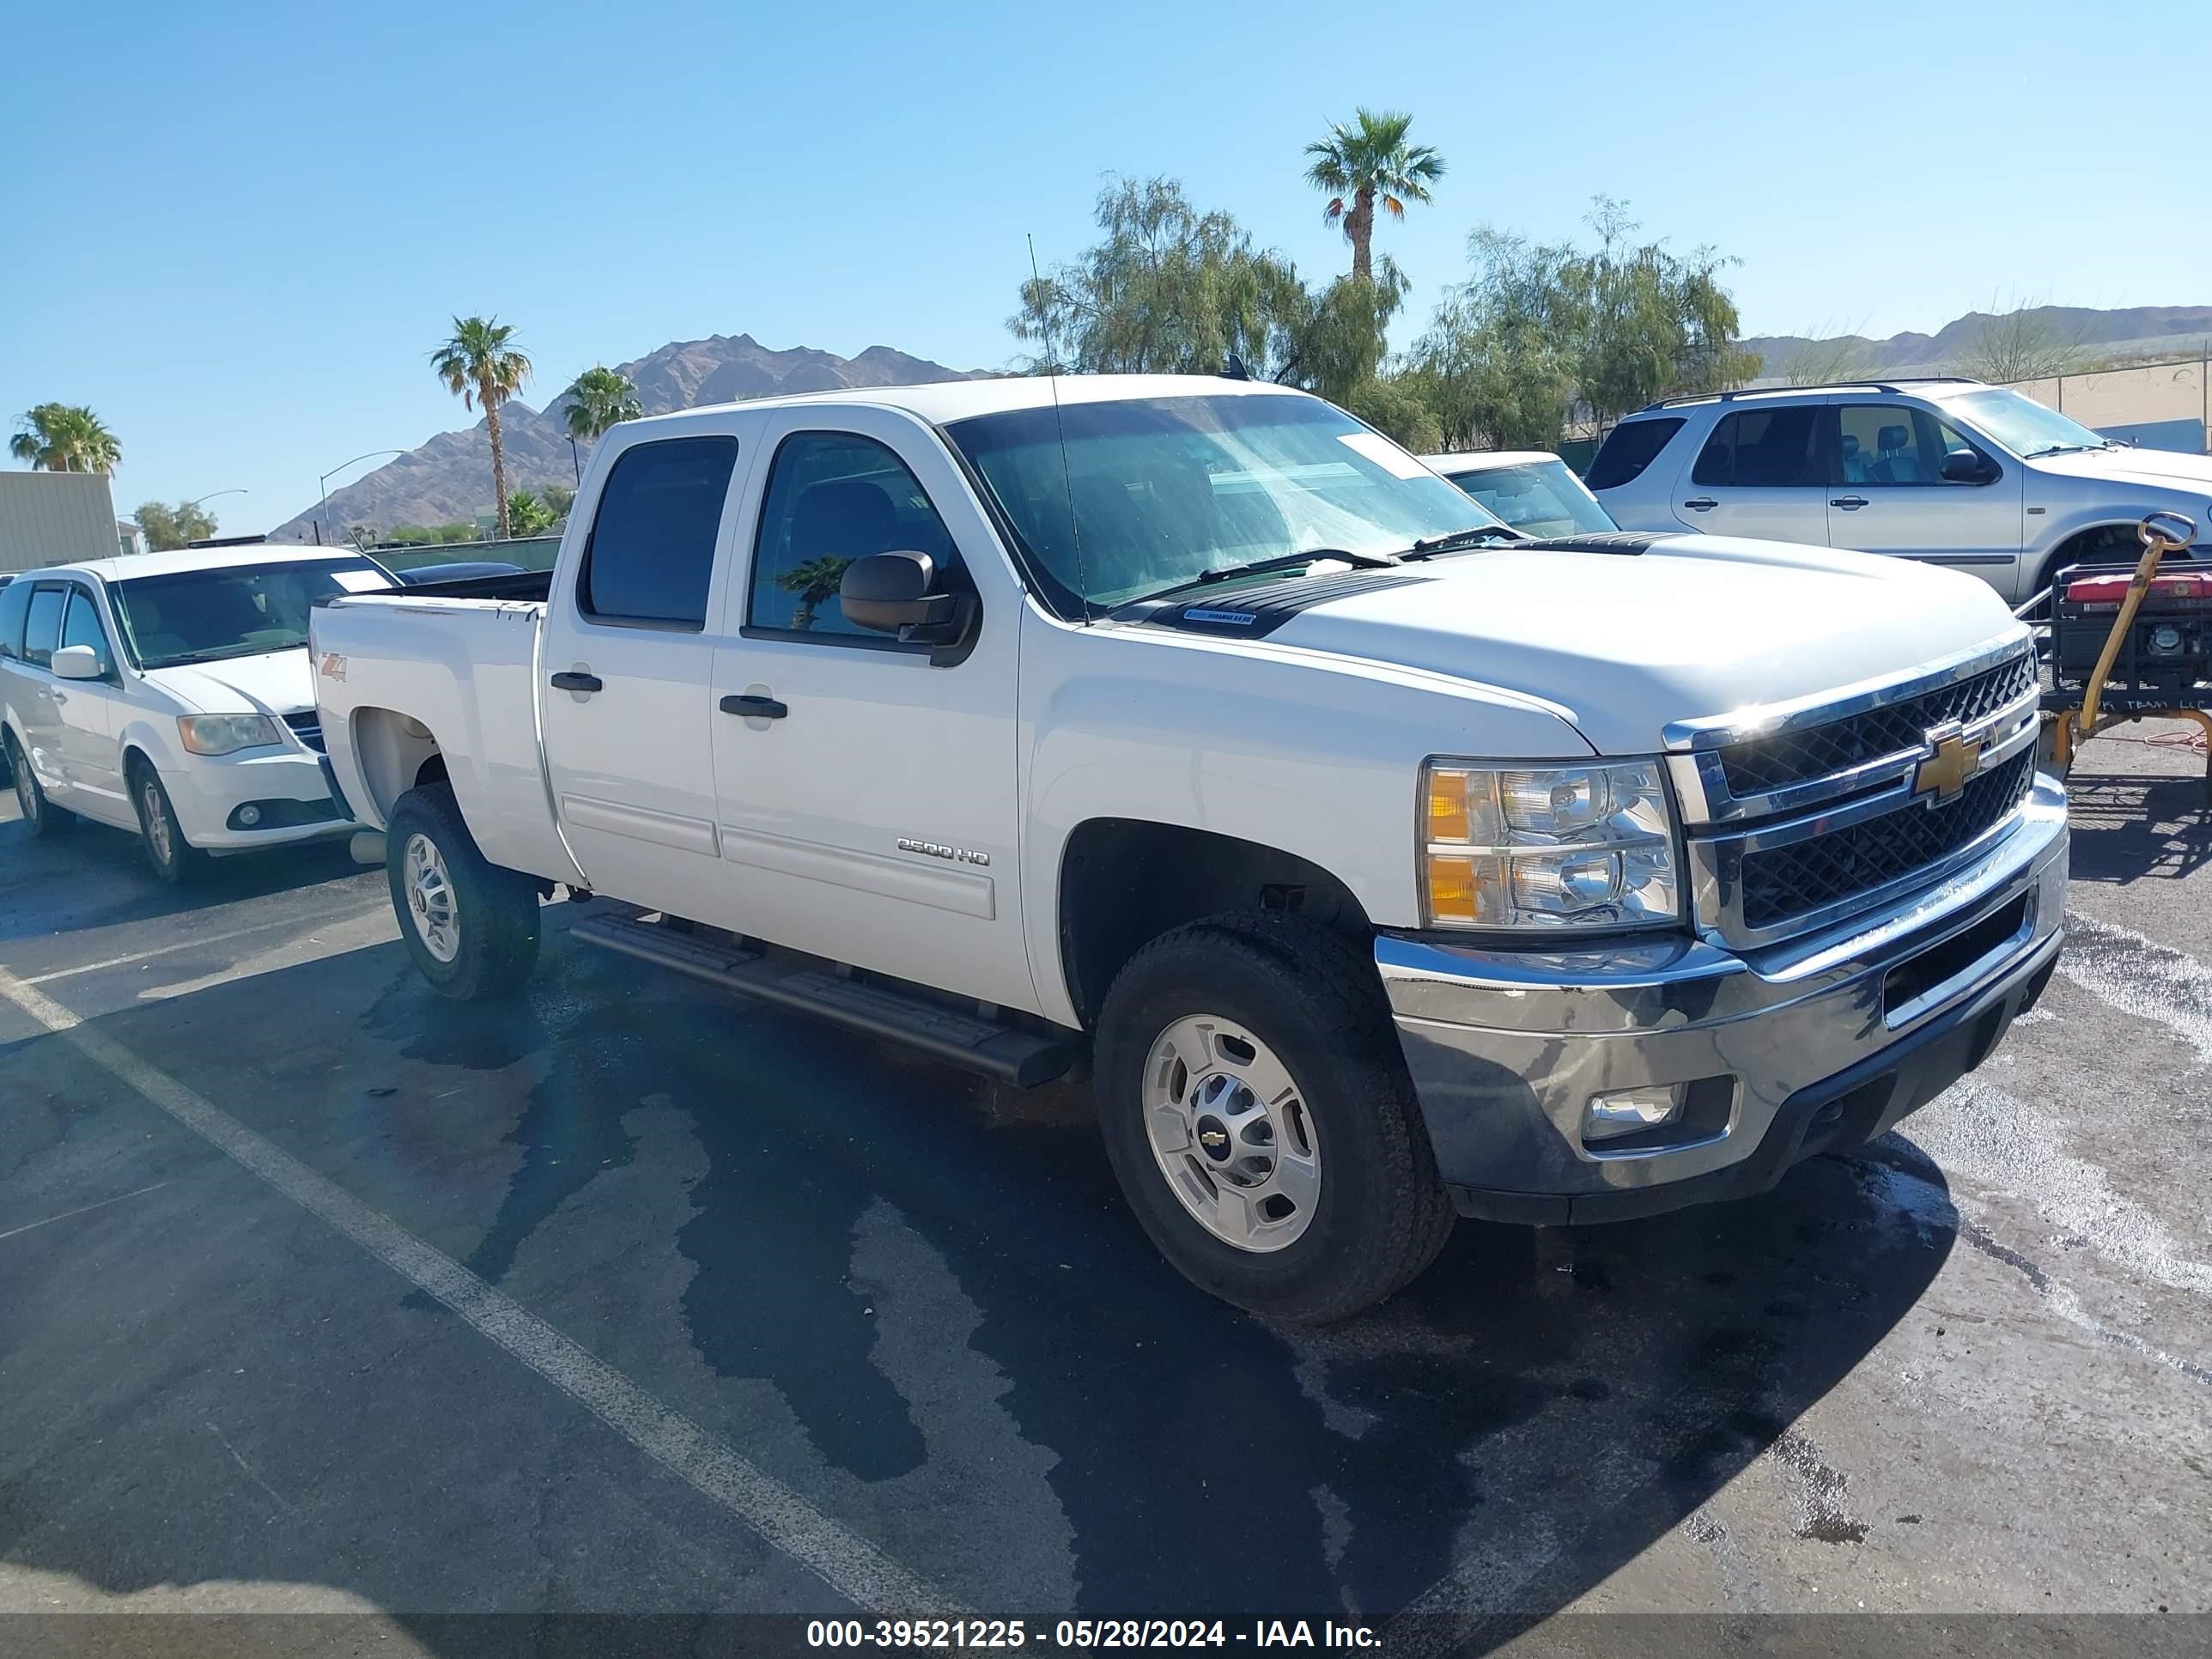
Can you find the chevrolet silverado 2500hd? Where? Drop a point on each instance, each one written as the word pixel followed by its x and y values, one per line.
pixel 1383 862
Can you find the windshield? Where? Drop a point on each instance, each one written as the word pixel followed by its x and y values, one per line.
pixel 1543 498
pixel 1154 491
pixel 2022 425
pixel 199 616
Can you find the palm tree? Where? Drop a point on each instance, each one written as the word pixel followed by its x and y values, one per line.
pixel 1368 163
pixel 814 582
pixel 66 438
pixel 597 398
pixel 480 365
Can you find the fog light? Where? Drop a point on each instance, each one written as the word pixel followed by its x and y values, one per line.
pixel 248 817
pixel 1630 1110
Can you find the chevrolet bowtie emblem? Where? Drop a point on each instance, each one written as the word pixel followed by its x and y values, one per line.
pixel 1212 1138
pixel 1954 759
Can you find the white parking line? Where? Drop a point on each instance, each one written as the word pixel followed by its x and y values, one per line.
pixel 194 943
pixel 849 1563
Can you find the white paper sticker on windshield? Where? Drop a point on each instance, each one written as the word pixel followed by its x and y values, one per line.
pixel 360 581
pixel 1384 454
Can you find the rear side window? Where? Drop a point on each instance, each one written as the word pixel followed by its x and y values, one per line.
pixel 651 556
pixel 1764 449
pixel 1633 446
pixel 43 631
pixel 15 601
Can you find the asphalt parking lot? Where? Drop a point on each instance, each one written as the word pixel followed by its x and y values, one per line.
pixel 319 1294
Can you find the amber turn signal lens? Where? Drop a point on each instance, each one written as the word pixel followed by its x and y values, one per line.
pixel 1452 896
pixel 1448 807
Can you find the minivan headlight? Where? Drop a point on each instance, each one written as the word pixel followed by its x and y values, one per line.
pixel 224 734
pixel 1547 847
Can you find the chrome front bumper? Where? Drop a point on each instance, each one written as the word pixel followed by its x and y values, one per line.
pixel 1823 1041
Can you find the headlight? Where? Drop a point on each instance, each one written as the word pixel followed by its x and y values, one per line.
pixel 1553 847
pixel 221 734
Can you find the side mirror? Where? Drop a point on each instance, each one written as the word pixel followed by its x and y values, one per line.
pixel 894 594
pixel 1963 466
pixel 78 662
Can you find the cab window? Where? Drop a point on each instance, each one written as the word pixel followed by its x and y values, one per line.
pixel 650 560
pixel 834 497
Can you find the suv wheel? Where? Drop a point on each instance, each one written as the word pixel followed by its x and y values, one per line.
pixel 470 925
pixel 42 814
pixel 173 858
pixel 1258 1116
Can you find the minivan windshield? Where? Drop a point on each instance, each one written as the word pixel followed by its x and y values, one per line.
pixel 202 616
pixel 2023 425
pixel 1542 498
pixel 1151 493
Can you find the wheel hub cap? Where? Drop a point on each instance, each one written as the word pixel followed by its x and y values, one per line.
pixel 157 822
pixel 430 903
pixel 1230 1133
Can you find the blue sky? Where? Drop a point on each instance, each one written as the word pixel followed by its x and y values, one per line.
pixel 237 230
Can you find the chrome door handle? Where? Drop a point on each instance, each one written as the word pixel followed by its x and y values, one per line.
pixel 1849 503
pixel 1700 503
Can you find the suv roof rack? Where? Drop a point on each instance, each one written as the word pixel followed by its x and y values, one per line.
pixel 1895 383
pixel 228 541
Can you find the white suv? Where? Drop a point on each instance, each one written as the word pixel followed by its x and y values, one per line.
pixel 169 693
pixel 1947 471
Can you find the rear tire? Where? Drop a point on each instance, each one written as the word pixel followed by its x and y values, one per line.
pixel 42 814
pixel 470 925
pixel 172 858
pixel 1235 1055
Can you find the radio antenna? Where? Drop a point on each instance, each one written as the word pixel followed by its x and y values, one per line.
pixel 1060 427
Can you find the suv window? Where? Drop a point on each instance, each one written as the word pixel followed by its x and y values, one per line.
pixel 1632 447
pixel 1891 444
pixel 834 497
pixel 651 556
pixel 15 601
pixel 44 629
pixel 1764 449
pixel 83 626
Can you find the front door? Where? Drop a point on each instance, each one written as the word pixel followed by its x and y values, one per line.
pixel 866 792
pixel 45 697
pixel 1893 498
pixel 86 734
pixel 1763 472
pixel 628 671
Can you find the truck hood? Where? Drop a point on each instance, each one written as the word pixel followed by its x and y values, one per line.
pixel 273 683
pixel 1697 626
pixel 2157 469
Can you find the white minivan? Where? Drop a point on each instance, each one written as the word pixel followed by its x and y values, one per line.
pixel 170 693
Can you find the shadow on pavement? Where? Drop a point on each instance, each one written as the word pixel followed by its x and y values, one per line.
pixel 722 1198
pixel 2127 828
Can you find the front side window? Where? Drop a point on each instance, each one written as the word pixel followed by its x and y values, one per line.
pixel 1881 444
pixel 1764 449
pixel 650 560
pixel 245 611
pixel 42 632
pixel 83 626
pixel 1542 498
pixel 1146 493
pixel 834 497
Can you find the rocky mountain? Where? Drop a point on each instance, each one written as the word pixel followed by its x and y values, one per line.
pixel 449 477
pixel 2136 332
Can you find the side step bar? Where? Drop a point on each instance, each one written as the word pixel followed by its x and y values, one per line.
pixel 1001 1052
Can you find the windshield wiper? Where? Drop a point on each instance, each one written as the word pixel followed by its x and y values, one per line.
pixel 2063 449
pixel 1431 545
pixel 218 653
pixel 1280 561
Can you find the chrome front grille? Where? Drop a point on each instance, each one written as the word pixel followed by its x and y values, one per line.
pixel 1802 817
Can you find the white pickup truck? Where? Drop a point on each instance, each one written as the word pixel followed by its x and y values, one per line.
pixel 1381 862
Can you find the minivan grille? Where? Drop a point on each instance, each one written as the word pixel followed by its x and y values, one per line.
pixel 1805 876
pixel 1765 764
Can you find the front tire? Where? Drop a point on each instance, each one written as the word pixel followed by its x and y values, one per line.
pixel 171 857
pixel 42 814
pixel 1258 1115
pixel 470 925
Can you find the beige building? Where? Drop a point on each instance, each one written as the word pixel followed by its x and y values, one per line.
pixel 49 517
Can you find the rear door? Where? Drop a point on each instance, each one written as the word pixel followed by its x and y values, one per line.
pixel 87 714
pixel 628 667
pixel 1892 497
pixel 1762 472
pixel 867 792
